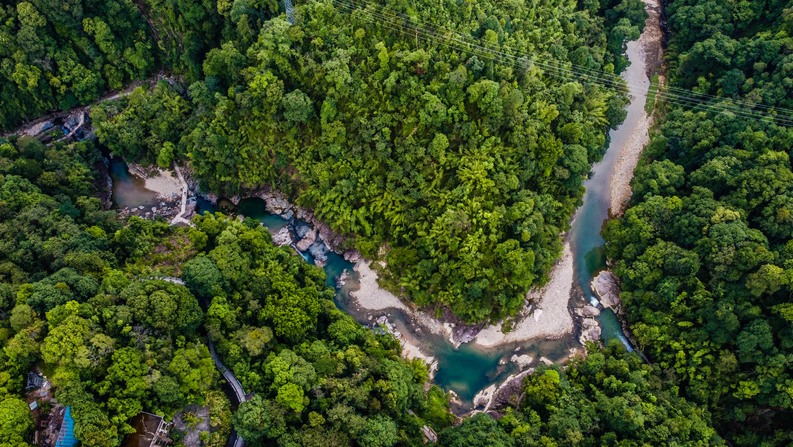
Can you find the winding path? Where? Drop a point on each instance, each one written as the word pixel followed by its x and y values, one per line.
pixel 235 384
pixel 227 374
pixel 178 218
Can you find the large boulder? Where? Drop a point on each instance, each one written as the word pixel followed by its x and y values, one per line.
pixel 352 256
pixel 590 331
pixel 320 253
pixel 308 240
pixel 521 360
pixel 607 288
pixel 283 237
pixel 277 205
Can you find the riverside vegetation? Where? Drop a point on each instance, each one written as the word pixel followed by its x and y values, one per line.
pixel 465 168
pixel 705 251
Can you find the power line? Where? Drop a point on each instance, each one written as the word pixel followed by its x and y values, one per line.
pixel 386 12
pixel 495 54
pixel 396 22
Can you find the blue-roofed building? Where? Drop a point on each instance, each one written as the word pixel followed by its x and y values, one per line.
pixel 66 434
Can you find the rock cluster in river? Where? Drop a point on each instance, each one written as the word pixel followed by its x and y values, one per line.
pixel 607 288
pixel 590 328
pixel 305 230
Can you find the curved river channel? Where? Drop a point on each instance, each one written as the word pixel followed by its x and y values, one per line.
pixel 470 368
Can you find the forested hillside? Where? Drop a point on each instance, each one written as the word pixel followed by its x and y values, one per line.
pixel 705 251
pixel 609 399
pixel 58 54
pixel 467 169
pixel 76 302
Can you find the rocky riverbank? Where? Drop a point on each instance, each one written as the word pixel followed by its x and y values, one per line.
pixel 169 191
pixel 650 47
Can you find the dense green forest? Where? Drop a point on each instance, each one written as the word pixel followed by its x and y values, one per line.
pixel 467 169
pixel 705 251
pixel 609 399
pixel 58 54
pixel 75 302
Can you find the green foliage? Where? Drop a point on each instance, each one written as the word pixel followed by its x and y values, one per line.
pixel 477 430
pixel 164 306
pixel 705 253
pixel 45 214
pixel 16 422
pixel 468 170
pixel 318 376
pixel 63 54
pixel 142 126
pixel 609 398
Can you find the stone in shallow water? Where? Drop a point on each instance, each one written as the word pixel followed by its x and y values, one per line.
pixel 590 311
pixel 301 229
pixel 521 360
pixel 607 287
pixel 282 237
pixel 308 239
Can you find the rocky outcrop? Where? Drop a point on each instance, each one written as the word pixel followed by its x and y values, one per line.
pixel 587 311
pixel 342 279
pixel 277 205
pixel 140 171
pixel 462 333
pixel 510 390
pixel 283 237
pixel 607 287
pixel 308 239
pixel 319 251
pixel 352 256
pixel 521 360
pixel 590 331
pixel 485 397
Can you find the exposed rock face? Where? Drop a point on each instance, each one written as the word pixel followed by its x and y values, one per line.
pixel 352 256
pixel 305 214
pixel 485 397
pixel 522 360
pixel 301 228
pixel 189 209
pixel 607 287
pixel 342 279
pixel 545 361
pixel 590 331
pixel 277 205
pixel 320 253
pixel 308 239
pixel 587 311
pixel 211 197
pixel 282 237
pixel 466 334
pixel 509 391
pixel 454 399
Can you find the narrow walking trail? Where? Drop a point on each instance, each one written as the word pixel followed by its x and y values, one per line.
pixel 178 218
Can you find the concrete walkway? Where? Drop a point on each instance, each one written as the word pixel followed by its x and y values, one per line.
pixel 179 218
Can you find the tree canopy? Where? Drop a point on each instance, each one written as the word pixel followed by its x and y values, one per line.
pixel 704 252
pixel 466 169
